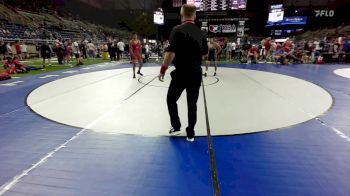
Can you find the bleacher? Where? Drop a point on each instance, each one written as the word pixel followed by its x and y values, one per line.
pixel 12 15
pixel 18 21
pixel 15 30
pixel 329 32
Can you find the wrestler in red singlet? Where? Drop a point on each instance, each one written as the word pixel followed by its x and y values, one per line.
pixel 135 53
pixel 136 50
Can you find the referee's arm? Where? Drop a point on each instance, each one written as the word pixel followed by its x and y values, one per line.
pixel 175 39
pixel 168 59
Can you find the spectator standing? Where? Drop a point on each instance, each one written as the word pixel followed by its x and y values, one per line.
pixel 120 51
pixel 67 51
pixel 37 48
pixel 234 48
pixel 77 53
pixel 9 49
pixel 267 49
pixel 91 50
pixel 3 50
pixel 229 51
pixel 310 49
pixel 104 49
pixel 112 49
pixel 46 52
pixel 159 50
pixel 24 50
pixel 273 49
pixel 83 50
pixel 18 49
pixel 59 50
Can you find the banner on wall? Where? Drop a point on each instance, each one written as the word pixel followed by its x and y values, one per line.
pixel 294 20
pixel 219 28
pixel 223 26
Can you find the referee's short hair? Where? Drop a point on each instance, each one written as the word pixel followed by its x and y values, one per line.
pixel 188 10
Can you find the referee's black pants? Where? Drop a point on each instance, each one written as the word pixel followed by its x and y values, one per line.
pixel 192 83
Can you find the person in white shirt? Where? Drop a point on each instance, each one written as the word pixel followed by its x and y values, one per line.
pixel 317 45
pixel 91 50
pixel 120 50
pixel 9 49
pixel 76 52
pixel 24 50
pixel 234 47
pixel 228 51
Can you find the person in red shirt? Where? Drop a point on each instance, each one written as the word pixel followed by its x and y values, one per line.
pixel 267 46
pixel 320 60
pixel 18 49
pixel 253 54
pixel 299 55
pixel 288 43
pixel 10 66
pixel 290 54
pixel 19 66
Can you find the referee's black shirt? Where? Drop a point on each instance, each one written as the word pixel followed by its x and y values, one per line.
pixel 189 44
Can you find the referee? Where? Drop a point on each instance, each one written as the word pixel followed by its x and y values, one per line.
pixel 187 47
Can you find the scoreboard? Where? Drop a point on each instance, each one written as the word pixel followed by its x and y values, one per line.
pixel 219 5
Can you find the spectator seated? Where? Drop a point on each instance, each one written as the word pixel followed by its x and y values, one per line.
pixel 10 66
